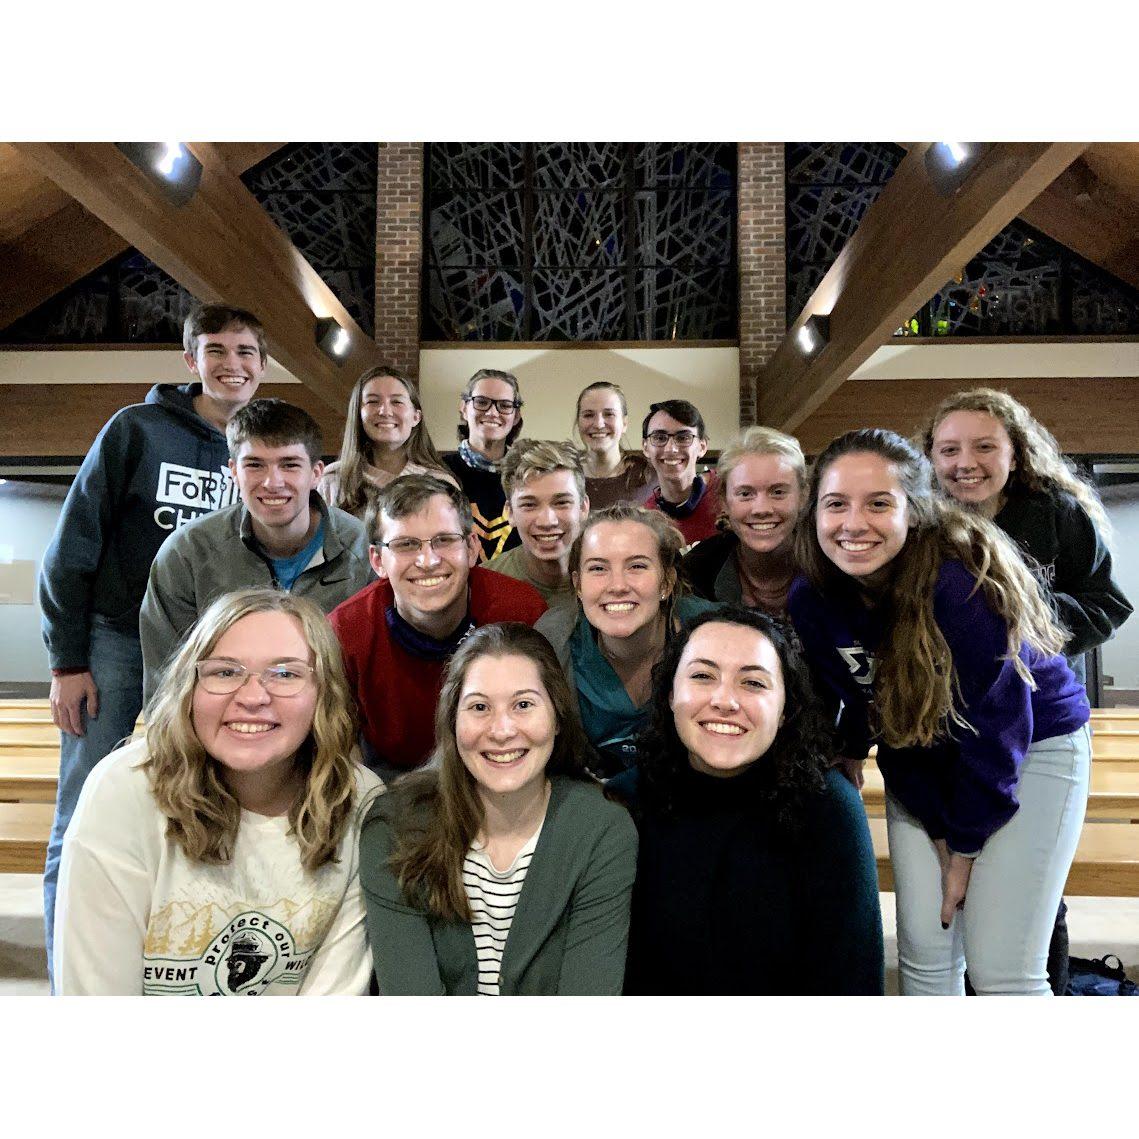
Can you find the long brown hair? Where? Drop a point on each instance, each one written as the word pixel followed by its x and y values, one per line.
pixel 439 813
pixel 917 693
pixel 356 450
pixel 1040 464
pixel 187 783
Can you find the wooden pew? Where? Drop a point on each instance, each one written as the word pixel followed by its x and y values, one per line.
pixel 1106 863
pixel 29 777
pixel 1114 791
pixel 24 831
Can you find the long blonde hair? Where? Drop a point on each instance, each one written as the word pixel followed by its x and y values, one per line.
pixel 356 449
pixel 187 782
pixel 917 693
pixel 1040 464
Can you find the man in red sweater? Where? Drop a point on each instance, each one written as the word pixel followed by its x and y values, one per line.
pixel 397 633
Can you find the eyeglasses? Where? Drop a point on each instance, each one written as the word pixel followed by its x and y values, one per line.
pixel 661 438
pixel 410 547
pixel 483 403
pixel 225 677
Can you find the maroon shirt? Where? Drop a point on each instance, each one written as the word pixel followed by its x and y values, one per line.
pixel 396 693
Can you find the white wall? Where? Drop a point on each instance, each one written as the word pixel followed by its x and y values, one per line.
pixel 28 514
pixel 1121 654
pixel 550 379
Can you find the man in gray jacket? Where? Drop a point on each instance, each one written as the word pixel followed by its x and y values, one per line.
pixel 281 534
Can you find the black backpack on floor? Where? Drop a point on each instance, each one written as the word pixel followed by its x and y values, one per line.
pixel 1099 978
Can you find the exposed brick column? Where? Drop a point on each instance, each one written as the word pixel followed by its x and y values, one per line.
pixel 399 252
pixel 762 252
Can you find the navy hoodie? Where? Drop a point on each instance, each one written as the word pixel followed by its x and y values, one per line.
pixel 963 788
pixel 154 467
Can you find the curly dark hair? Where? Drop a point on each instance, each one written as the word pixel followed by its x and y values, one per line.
pixel 801 751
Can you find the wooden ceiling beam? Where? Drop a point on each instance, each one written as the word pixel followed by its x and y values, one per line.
pixel 909 243
pixel 221 246
pixel 1084 212
pixel 67 244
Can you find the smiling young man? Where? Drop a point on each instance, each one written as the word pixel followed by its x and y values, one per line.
pixel 280 534
pixel 546 503
pixel 154 467
pixel 674 440
pixel 398 633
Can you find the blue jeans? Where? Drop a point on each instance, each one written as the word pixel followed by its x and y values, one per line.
pixel 116 664
pixel 1014 889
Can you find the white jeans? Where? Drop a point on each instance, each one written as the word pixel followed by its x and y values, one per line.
pixel 1014 890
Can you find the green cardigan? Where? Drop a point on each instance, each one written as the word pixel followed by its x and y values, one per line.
pixel 570 929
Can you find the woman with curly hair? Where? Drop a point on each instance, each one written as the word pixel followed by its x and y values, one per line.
pixel 923 620
pixel 625 568
pixel 755 873
pixel 384 437
pixel 991 455
pixel 501 869
pixel 217 854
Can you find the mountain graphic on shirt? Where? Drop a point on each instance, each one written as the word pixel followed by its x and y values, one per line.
pixel 185 929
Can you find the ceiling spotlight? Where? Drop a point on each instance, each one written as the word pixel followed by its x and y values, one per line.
pixel 333 340
pixel 814 334
pixel 948 164
pixel 167 164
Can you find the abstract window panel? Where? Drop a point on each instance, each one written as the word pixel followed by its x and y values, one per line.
pixel 322 195
pixel 578 165
pixel 707 164
pixel 474 165
pixel 841 163
pixel 579 229
pixel 476 229
pixel 685 228
pixel 153 306
pixel 565 237
pixel 1100 304
pixel 81 314
pixel 476 303
pixel 672 305
pixel 579 305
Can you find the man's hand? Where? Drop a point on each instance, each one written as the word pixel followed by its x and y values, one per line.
pixel 67 696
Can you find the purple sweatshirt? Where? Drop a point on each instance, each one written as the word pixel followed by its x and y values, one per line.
pixel 963 788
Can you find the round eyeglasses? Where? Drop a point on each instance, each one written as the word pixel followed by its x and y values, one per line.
pixel 225 677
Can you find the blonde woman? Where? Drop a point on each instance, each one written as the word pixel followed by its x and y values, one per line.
pixel 384 437
pixel 217 855
pixel 923 620
pixel 762 478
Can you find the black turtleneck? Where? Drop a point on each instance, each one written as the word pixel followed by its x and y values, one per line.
pixel 728 902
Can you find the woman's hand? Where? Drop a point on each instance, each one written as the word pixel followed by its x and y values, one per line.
pixel 955 871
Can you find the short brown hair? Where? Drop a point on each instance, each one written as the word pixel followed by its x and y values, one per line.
pixel 409 494
pixel 535 457
pixel 275 422
pixel 205 319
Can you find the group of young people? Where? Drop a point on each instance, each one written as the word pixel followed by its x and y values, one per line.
pixel 620 707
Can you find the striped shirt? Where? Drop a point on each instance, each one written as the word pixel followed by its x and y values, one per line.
pixel 493 895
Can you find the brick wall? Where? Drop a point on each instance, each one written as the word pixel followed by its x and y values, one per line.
pixel 399 252
pixel 762 226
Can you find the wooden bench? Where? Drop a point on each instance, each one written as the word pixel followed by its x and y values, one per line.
pixel 29 777
pixel 1114 791
pixel 1106 863
pixel 24 831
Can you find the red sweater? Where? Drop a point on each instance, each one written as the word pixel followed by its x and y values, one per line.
pixel 396 693
pixel 701 523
